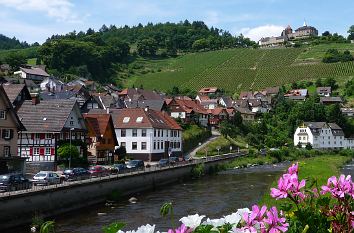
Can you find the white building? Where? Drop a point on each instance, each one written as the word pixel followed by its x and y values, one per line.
pixel 147 134
pixel 32 73
pixel 52 84
pixel 322 135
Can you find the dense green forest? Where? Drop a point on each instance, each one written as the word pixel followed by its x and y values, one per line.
pixel 11 43
pixel 98 55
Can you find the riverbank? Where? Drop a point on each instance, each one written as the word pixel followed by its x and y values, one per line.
pixel 317 168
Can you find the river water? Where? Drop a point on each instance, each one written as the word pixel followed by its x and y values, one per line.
pixel 213 196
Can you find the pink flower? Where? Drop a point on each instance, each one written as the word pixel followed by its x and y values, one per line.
pixel 338 188
pixel 293 169
pixel 181 229
pixel 289 184
pixel 275 224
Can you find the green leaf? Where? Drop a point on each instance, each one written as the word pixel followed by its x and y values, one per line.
pixel 113 227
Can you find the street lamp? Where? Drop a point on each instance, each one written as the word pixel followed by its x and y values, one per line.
pixel 230 149
pixel 218 148
pixel 71 129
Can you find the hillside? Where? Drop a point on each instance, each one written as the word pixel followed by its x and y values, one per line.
pixel 244 69
pixel 11 43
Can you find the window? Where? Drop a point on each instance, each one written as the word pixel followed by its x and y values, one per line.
pixel 143 145
pixel 158 145
pixel 134 145
pixel 161 145
pixel 36 151
pixel 71 123
pixel 175 133
pixel 47 151
pixel 178 133
pixel 139 119
pixel 37 136
pixel 48 136
pixel 158 133
pixel 135 132
pixel 178 145
pixel 2 114
pixel 304 138
pixel 162 133
pixel 171 133
pixel 143 132
pixel 154 132
pixel 6 151
pixel 122 144
pixel 299 138
pixel 328 137
pixel 154 145
pixel 126 119
pixel 123 133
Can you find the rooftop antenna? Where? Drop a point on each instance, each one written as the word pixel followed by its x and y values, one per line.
pixel 305 25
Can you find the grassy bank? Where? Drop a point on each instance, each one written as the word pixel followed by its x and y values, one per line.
pixel 193 135
pixel 320 168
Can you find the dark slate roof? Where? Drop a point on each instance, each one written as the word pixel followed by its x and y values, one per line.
pixel 334 99
pixel 153 104
pixel 324 89
pixel 47 116
pixel 228 101
pixel 35 71
pixel 315 127
pixel 13 90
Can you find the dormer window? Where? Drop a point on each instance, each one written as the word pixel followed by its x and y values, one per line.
pixel 126 119
pixel 139 119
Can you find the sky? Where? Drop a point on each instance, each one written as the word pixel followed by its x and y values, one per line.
pixel 36 20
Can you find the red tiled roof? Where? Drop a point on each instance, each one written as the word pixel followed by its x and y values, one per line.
pixel 208 90
pixel 142 118
pixel 191 105
pixel 98 122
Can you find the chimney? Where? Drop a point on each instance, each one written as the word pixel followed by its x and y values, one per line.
pixel 146 108
pixel 35 98
pixel 107 109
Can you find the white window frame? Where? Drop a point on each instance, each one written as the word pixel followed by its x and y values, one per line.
pixel 45 152
pixel 37 136
pixel 7 151
pixel 48 136
pixel 2 114
pixel 7 134
pixel 35 150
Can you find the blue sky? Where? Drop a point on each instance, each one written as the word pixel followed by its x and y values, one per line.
pixel 35 20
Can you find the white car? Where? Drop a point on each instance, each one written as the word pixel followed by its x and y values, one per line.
pixel 46 178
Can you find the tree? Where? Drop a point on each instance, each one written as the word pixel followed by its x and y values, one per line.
pixel 308 146
pixel 330 82
pixel 200 44
pixel 318 82
pixel 351 33
pixel 237 119
pixel 147 47
pixel 66 151
pixel 121 152
pixel 15 60
pixel 326 33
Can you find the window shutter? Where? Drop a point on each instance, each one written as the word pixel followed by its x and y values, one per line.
pixel 52 151
pixel 32 136
pixel 11 133
pixel 31 151
pixel 41 136
pixel 3 133
pixel 41 151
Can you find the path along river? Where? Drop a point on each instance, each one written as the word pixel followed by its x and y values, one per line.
pixel 213 196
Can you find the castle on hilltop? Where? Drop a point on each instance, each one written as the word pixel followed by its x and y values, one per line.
pixel 288 35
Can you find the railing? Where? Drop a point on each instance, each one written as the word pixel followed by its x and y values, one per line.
pixel 124 173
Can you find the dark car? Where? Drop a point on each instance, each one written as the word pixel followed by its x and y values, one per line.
pixel 13 182
pixel 173 160
pixel 135 164
pixel 164 162
pixel 117 168
pixel 76 174
pixel 98 171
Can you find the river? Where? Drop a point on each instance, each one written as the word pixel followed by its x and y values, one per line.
pixel 213 196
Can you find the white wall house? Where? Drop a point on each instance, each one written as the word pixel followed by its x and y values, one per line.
pixel 52 84
pixel 147 134
pixel 322 135
pixel 33 73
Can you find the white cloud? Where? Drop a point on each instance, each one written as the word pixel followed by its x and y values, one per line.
pixel 261 31
pixel 61 10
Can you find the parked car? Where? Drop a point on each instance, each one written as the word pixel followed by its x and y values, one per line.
pixel 76 174
pixel 173 160
pixel 135 164
pixel 98 171
pixel 164 162
pixel 118 168
pixel 13 182
pixel 46 178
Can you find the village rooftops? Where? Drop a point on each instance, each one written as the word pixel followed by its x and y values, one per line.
pixel 143 118
pixel 13 90
pixel 316 128
pixel 98 122
pixel 297 92
pixel 324 90
pixel 208 90
pixel 34 71
pixel 46 116
pixel 140 94
pixel 331 100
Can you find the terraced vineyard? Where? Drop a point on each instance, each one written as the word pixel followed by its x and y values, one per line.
pixel 245 69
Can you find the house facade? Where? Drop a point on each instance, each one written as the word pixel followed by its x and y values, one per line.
pixel 51 84
pixel 147 134
pixel 48 125
pixel 9 126
pixel 102 138
pixel 322 135
pixel 189 111
pixel 33 73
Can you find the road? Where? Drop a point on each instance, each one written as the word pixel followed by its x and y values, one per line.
pixel 215 135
